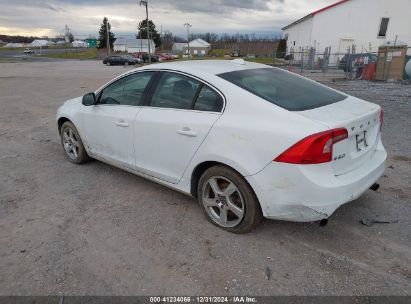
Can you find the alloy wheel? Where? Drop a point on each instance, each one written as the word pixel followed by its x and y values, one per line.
pixel 71 143
pixel 223 201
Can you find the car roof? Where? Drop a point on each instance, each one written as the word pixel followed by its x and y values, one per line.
pixel 213 67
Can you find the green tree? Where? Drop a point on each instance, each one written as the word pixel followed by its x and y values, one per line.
pixel 70 37
pixel 281 48
pixel 103 35
pixel 142 32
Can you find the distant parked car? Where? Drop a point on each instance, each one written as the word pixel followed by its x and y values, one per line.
pixel 28 51
pixel 137 55
pixel 162 58
pixel 121 60
pixel 154 58
pixel 356 59
pixel 289 57
pixel 170 56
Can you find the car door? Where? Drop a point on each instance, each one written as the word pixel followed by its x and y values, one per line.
pixel 108 125
pixel 171 128
pixel 111 59
pixel 122 60
pixel 116 60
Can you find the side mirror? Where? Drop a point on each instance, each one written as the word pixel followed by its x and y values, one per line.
pixel 89 99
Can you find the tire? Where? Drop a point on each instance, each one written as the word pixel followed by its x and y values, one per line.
pixel 72 144
pixel 126 63
pixel 236 209
pixel 108 63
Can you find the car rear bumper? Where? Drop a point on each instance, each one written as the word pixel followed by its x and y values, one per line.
pixel 305 193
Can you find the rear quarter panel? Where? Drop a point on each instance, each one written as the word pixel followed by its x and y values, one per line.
pixel 251 132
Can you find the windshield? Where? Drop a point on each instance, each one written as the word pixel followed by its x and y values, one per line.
pixel 284 89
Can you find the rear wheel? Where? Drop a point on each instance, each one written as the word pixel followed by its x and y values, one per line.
pixel 72 144
pixel 228 200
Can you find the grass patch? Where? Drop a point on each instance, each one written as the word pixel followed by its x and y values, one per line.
pixel 89 54
pixel 265 60
pixel 262 60
pixel 4 49
pixel 35 48
pixel 220 52
pixel 7 60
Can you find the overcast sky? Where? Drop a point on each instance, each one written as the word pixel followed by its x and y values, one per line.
pixel 48 18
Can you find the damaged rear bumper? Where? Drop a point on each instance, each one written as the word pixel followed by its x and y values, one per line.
pixel 305 193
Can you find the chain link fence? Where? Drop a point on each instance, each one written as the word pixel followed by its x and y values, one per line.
pixel 351 63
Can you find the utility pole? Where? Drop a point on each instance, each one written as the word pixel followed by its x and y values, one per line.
pixel 108 38
pixel 142 2
pixel 188 25
pixel 141 45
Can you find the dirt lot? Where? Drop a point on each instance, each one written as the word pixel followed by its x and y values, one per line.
pixel 97 230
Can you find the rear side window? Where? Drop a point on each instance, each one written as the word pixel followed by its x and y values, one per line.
pixel 175 91
pixel 208 100
pixel 283 89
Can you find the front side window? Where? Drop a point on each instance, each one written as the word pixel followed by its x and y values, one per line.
pixel 175 91
pixel 128 90
pixel 383 27
pixel 283 89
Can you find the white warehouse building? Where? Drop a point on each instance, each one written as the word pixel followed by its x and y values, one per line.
pixel 133 45
pixel 367 24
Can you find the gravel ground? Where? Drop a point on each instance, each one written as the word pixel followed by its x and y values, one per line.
pixel 97 230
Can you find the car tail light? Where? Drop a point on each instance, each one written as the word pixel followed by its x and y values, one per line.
pixel 314 149
pixel 381 118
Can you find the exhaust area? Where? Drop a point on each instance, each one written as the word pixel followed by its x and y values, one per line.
pixel 375 187
pixel 323 222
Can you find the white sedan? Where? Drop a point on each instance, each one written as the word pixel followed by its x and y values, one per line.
pixel 248 140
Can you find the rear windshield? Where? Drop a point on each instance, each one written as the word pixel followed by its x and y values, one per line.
pixel 284 89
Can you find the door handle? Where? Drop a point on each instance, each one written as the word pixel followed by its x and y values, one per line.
pixel 122 124
pixel 187 132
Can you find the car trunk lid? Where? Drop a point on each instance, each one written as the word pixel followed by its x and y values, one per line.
pixel 362 121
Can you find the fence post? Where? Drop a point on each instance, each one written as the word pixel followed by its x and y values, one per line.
pixel 325 59
pixel 311 57
pixel 328 56
pixel 347 62
pixel 302 61
pixel 353 58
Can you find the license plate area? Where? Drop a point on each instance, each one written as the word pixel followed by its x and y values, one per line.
pixel 361 141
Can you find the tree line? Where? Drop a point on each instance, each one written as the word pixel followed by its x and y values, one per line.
pixel 240 43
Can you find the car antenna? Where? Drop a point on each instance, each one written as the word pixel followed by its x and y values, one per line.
pixel 238 61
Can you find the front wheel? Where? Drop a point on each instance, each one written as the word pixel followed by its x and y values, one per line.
pixel 228 200
pixel 72 144
pixel 108 63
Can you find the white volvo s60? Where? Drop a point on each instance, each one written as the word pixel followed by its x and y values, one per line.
pixel 248 140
